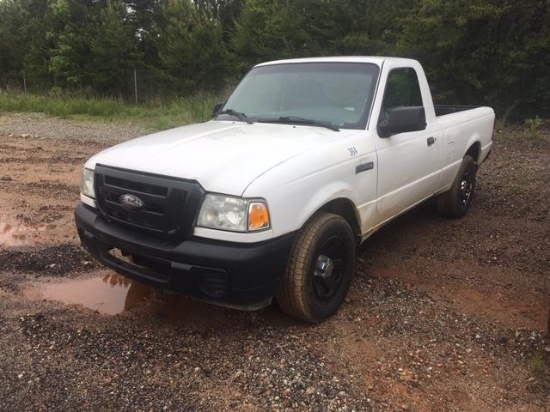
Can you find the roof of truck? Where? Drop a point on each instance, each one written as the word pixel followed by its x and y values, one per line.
pixel 378 60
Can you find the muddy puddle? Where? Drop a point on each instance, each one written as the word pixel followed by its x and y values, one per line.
pixel 110 294
pixel 114 294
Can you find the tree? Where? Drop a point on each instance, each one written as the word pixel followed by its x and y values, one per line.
pixel 71 52
pixel 273 29
pixel 11 52
pixel 481 51
pixel 226 12
pixel 113 47
pixel 375 26
pixel 25 40
pixel 142 16
pixel 190 48
pixel 276 29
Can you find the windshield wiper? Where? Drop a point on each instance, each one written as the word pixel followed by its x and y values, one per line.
pixel 241 116
pixel 301 120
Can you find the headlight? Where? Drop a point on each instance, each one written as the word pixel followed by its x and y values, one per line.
pixel 87 186
pixel 233 213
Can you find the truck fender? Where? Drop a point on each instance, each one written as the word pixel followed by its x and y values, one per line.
pixel 335 199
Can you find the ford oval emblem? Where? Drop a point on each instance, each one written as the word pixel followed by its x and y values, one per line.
pixel 131 202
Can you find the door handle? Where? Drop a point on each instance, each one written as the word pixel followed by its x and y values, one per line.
pixel 431 140
pixel 364 167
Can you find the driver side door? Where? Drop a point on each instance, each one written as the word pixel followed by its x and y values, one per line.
pixel 409 162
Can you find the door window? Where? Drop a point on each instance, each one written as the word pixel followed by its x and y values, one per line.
pixel 402 90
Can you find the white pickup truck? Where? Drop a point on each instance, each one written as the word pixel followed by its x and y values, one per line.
pixel 271 198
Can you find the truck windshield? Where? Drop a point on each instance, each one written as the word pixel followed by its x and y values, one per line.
pixel 333 94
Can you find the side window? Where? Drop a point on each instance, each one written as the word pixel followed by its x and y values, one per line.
pixel 402 90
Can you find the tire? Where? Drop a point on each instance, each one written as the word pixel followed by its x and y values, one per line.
pixel 457 200
pixel 319 270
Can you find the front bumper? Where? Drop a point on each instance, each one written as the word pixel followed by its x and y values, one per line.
pixel 234 274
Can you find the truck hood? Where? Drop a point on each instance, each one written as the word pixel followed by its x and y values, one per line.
pixel 222 156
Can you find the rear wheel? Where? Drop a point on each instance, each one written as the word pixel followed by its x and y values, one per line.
pixel 456 201
pixel 319 270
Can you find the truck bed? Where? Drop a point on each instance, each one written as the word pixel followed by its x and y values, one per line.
pixel 443 109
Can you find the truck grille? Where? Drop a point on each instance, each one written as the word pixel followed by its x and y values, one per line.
pixel 157 205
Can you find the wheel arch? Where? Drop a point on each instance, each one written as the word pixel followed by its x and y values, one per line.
pixel 346 209
pixel 474 150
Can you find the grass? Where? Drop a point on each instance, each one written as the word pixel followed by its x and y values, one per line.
pixel 538 363
pixel 156 116
pixel 534 125
pixel 540 367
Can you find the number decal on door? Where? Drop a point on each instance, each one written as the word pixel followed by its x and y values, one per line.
pixel 352 151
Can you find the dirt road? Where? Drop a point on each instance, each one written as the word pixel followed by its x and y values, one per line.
pixel 443 315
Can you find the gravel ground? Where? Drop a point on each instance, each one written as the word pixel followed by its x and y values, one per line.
pixel 443 315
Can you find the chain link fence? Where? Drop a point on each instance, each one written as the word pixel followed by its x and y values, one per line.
pixel 139 86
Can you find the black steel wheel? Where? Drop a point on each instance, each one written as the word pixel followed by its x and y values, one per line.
pixel 320 269
pixel 457 200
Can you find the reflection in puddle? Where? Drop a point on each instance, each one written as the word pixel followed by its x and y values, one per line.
pixel 110 294
pixel 113 294
pixel 11 235
pixel 19 235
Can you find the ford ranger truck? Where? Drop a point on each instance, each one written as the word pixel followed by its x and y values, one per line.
pixel 273 196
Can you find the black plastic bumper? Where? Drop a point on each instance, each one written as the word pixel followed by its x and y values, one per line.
pixel 228 273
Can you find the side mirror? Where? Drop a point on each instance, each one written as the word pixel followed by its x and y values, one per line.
pixel 401 120
pixel 217 108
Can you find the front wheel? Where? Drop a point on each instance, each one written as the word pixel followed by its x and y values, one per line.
pixel 319 270
pixel 456 201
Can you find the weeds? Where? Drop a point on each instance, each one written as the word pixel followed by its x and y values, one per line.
pixel 533 126
pixel 538 363
pixel 500 125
